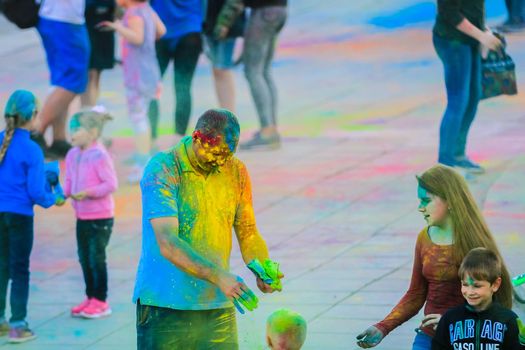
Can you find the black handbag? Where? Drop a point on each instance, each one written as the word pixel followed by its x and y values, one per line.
pixel 498 74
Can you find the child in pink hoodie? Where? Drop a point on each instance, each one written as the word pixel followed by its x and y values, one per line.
pixel 90 182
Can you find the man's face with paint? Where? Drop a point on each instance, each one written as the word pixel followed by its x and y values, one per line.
pixel 212 156
pixel 433 208
pixel 478 294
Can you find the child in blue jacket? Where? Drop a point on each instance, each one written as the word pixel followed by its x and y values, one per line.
pixel 22 185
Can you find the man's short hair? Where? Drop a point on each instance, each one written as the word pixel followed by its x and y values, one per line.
pixel 218 124
pixel 481 264
pixel 287 329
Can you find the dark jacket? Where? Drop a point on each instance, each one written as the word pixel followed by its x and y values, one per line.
pixel 463 328
pixel 450 13
pixel 22 176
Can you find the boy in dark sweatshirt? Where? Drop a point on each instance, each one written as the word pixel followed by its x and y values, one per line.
pixel 481 323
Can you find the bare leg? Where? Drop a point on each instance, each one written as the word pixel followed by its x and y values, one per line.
pixel 90 96
pixel 54 112
pixel 225 88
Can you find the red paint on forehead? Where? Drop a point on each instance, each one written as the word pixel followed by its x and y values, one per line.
pixel 212 141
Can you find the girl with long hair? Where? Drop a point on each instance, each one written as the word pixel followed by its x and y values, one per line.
pixel 455 226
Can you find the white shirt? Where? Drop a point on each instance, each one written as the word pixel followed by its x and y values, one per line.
pixel 69 11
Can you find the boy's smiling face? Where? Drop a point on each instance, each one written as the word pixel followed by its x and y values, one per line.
pixel 478 294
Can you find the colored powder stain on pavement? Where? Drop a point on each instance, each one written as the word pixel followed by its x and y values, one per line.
pixel 423 12
pixel 417 13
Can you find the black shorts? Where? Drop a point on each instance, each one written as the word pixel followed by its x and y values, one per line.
pixel 102 42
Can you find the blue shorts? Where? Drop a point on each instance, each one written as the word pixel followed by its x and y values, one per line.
pixel 67 52
pixel 220 52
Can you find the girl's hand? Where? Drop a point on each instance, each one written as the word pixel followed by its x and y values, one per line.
pixel 79 196
pixel 370 337
pixel 430 320
pixel 108 25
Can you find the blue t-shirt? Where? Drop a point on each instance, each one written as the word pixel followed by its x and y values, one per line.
pixel 22 176
pixel 179 16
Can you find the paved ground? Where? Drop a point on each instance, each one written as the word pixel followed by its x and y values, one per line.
pixel 361 100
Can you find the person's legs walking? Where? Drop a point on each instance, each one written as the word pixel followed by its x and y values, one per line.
pixel 138 114
pixel 163 59
pixel 90 96
pixel 470 113
pixel 220 53
pixel 224 82
pixel 457 61
pixel 257 42
pixel 259 45
pixel 185 59
pixel 55 108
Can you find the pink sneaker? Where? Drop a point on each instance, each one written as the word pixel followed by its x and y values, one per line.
pixel 76 310
pixel 96 309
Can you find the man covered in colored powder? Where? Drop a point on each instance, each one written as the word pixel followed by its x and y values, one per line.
pixel 192 196
pixel 285 330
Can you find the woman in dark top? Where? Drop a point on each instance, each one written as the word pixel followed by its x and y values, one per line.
pixel 458 32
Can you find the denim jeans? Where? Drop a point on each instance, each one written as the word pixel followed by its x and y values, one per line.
pixel 161 328
pixel 516 10
pixel 260 37
pixel 184 53
pixel 462 64
pixel 422 342
pixel 16 242
pixel 92 240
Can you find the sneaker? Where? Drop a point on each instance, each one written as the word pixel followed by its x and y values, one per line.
pixel 262 142
pixel 77 310
pixel 469 166
pixel 510 27
pixel 20 335
pixel 4 328
pixel 96 309
pixel 59 148
pixel 40 140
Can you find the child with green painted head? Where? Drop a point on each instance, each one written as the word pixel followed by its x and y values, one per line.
pixel 90 182
pixel 285 330
pixel 23 180
pixel 482 322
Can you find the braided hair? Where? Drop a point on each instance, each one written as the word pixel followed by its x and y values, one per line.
pixel 19 110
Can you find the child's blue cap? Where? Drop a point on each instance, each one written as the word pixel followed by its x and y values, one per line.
pixel 22 103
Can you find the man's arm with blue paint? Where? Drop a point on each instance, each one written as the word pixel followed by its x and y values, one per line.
pixel 182 255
